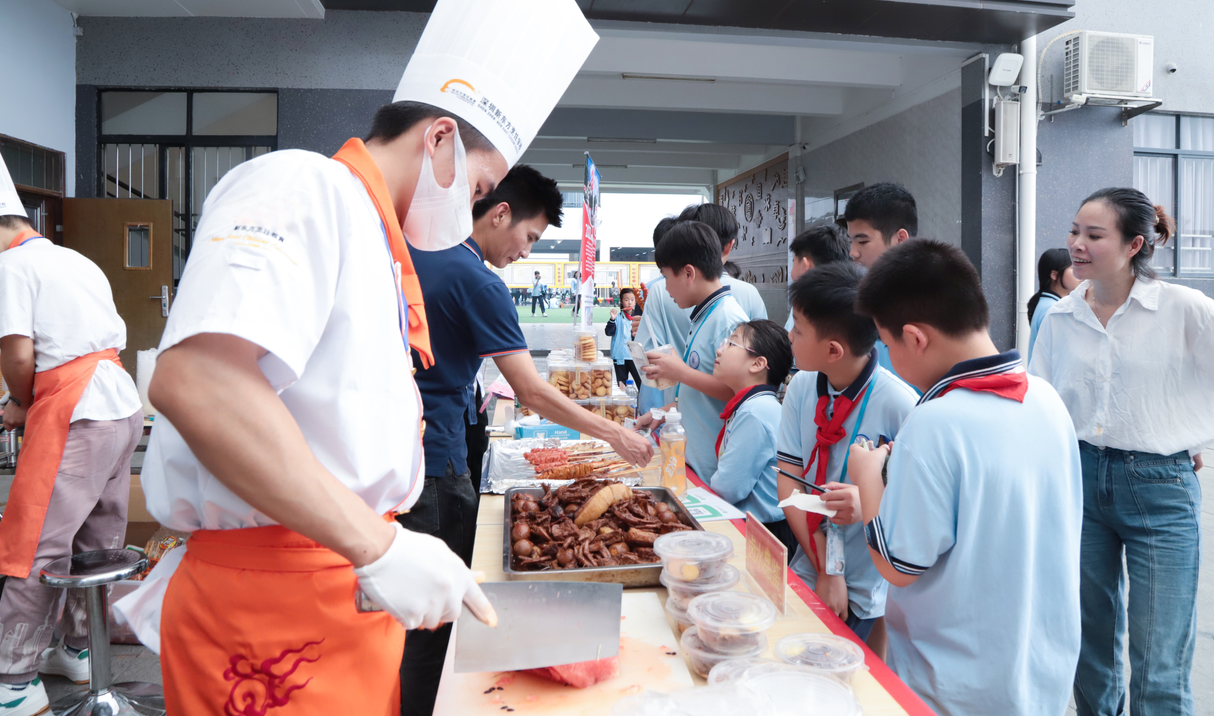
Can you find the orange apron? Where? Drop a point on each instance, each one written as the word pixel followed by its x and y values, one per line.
pixel 260 619
pixel 57 391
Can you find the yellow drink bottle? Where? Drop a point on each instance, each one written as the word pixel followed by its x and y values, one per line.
pixel 674 451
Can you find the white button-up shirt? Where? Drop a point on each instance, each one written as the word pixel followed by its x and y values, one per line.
pixel 1146 381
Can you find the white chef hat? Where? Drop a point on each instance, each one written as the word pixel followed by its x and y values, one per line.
pixel 10 203
pixel 500 65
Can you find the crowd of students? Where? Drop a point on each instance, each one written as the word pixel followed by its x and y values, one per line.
pixel 981 510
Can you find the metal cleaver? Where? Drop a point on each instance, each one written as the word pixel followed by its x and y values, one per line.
pixel 540 624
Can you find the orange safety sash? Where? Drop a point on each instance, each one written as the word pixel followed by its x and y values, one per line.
pixel 24 236
pixel 262 618
pixel 56 391
pixel 355 156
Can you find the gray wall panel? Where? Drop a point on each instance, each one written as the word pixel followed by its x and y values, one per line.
pixel 321 120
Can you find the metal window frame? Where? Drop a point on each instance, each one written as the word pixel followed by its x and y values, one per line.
pixel 126 245
pixel 188 141
pixel 1177 154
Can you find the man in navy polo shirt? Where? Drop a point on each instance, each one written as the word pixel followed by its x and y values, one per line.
pixel 472 318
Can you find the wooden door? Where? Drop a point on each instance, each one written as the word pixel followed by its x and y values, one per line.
pixel 131 240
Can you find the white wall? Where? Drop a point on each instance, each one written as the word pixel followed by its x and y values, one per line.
pixel 38 67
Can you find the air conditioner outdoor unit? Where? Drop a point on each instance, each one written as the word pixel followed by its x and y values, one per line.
pixel 1108 65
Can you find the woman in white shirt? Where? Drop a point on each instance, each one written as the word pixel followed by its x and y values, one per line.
pixel 1133 359
pixel 1056 280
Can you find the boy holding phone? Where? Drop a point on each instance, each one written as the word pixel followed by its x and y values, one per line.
pixel 841 393
pixel 978 530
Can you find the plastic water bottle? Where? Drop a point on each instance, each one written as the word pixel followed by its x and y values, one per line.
pixel 630 389
pixel 674 454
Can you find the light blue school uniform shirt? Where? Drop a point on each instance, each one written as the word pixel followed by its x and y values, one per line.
pixel 744 476
pixel 1044 304
pixel 788 323
pixel 884 361
pixel 985 504
pixel 711 323
pixel 663 322
pixel 891 401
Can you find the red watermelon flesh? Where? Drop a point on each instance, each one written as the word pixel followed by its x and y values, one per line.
pixel 581 674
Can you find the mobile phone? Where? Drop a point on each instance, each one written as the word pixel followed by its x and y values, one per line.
pixel 638 353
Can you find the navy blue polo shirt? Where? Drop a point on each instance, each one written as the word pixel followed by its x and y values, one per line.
pixel 471 318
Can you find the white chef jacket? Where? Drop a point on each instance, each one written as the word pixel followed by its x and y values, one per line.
pixel 63 301
pixel 1146 382
pixel 291 255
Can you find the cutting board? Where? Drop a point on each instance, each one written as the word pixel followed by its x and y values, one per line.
pixel 650 658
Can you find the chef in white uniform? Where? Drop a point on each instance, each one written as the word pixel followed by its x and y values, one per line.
pixel 290 423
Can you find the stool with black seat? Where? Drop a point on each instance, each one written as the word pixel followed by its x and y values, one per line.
pixel 92 572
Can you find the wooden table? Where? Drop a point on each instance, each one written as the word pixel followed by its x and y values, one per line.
pixel 879 691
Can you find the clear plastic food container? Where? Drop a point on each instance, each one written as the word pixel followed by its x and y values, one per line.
pixel 703 657
pixel 602 377
pixel 663 383
pixel 622 409
pixel 733 668
pixel 804 693
pixel 585 345
pixel 692 556
pixel 682 592
pixel 561 375
pixel 583 381
pixel 732 622
pixel 679 616
pixel 600 406
pixel 835 655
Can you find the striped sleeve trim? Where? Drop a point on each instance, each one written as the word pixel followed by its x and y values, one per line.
pixel 874 532
pixel 791 459
pixel 499 354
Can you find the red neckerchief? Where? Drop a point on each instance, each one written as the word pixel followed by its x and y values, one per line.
pixel 355 156
pixel 1005 385
pixel 24 236
pixel 733 405
pixel 1002 374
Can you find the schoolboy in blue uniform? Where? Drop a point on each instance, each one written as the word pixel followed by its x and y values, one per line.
pixel 472 318
pixel 752 362
pixel 816 246
pixel 690 259
pixel 878 218
pixel 840 393
pixel 669 324
pixel 979 529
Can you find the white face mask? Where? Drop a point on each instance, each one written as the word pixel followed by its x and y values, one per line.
pixel 440 218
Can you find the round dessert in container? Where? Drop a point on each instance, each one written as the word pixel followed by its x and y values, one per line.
pixel 802 692
pixel 582 381
pixel 585 347
pixel 679 616
pixel 827 653
pixel 602 377
pixel 733 668
pixel 732 622
pixel 703 657
pixel 691 556
pixel 682 592
pixel 622 408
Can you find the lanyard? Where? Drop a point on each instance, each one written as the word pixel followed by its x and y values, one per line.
pixel 868 393
pixel 692 342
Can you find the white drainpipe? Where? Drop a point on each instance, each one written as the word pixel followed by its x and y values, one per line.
pixel 1026 219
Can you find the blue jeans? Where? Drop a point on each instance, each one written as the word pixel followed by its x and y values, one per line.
pixel 1149 506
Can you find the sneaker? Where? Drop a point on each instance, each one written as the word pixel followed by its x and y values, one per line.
pixel 61 662
pixel 26 701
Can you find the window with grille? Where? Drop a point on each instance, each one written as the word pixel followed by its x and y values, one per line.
pixel 1174 167
pixel 178 145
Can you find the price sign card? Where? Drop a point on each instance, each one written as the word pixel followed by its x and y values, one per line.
pixel 766 561
pixel 707 507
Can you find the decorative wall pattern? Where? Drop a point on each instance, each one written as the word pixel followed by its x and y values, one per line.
pixel 759 200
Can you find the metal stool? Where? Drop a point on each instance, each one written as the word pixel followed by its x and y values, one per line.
pixel 92 571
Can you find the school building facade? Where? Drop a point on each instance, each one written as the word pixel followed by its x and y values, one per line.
pixel 762 106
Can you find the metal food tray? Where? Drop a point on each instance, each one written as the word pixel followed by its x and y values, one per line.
pixel 629 575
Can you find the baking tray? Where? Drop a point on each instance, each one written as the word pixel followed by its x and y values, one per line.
pixel 629 575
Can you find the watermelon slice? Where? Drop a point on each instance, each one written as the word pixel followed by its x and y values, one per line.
pixel 581 674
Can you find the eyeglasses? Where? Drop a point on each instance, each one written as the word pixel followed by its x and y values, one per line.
pixel 727 342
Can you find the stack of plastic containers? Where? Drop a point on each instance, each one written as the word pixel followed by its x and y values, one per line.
pixel 727 625
pixel 693 563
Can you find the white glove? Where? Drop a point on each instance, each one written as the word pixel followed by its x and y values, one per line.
pixel 421 582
